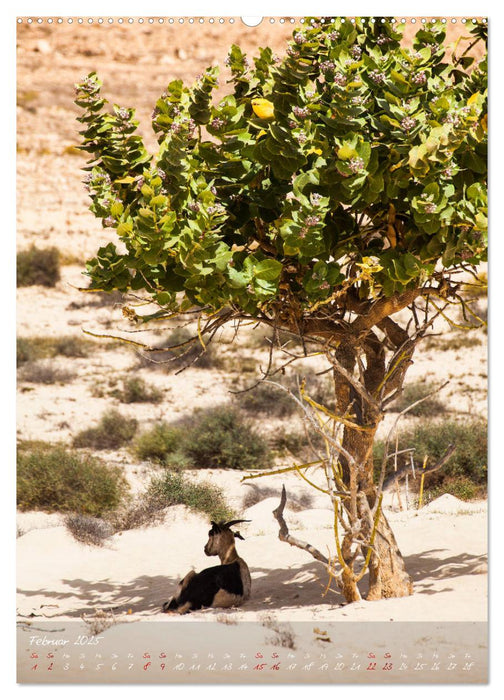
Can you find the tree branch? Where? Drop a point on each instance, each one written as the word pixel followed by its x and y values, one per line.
pixel 285 536
pixel 381 309
pixel 401 473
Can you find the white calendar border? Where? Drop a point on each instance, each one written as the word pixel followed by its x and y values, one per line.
pixel 262 9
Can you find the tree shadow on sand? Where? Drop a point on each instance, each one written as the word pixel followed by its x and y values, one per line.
pixel 273 589
pixel 427 567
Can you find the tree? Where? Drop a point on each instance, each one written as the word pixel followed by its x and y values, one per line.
pixel 328 191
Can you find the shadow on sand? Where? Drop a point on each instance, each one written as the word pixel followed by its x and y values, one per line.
pixel 273 589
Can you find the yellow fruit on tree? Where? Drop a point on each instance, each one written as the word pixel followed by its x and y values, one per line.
pixel 263 108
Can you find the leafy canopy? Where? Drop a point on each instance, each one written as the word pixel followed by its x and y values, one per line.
pixel 369 172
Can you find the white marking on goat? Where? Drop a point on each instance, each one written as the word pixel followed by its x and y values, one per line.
pixel 194 589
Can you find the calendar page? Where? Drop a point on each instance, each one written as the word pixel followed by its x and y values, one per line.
pixel 251 350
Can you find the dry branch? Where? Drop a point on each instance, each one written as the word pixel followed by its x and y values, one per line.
pixel 285 536
pixel 403 471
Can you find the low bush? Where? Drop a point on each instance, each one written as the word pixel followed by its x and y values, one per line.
pixel 268 400
pixel 211 438
pixel 414 392
pixel 452 341
pixel 89 530
pixel 38 266
pixel 157 443
pixel 54 478
pixel 298 444
pixel 96 299
pixel 174 488
pixel 261 338
pixel 41 347
pixel 136 390
pixel 168 489
pixel 459 486
pixel 112 432
pixel 220 438
pixel 468 463
pixel 41 372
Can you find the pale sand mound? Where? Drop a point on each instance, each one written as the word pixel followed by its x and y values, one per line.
pixel 138 570
pixel 449 504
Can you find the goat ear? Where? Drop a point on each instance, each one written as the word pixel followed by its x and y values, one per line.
pixel 237 534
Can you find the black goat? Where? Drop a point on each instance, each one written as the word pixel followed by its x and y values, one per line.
pixel 219 586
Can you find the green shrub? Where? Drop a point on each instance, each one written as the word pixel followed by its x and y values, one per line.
pixel 295 443
pixel 41 347
pixel 211 438
pixel 38 266
pixel 112 432
pixel 55 478
pixel 415 392
pixel 459 486
pixel 157 443
pixel 173 488
pixel 220 438
pixel 431 438
pixel 136 390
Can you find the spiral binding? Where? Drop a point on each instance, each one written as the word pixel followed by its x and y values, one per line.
pixel 222 20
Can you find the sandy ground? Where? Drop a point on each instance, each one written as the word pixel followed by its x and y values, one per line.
pixel 444 544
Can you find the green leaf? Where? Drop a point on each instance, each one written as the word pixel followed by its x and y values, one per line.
pixel 116 209
pixel 268 269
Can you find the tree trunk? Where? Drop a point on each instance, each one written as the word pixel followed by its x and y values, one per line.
pixel 388 577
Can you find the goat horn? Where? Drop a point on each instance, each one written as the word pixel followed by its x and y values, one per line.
pixel 234 522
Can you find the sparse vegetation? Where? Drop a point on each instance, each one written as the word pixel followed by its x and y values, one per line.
pixel 55 478
pixel 42 347
pixel 89 530
pixel 211 438
pixel 266 399
pixel 459 486
pixel 260 338
pixel 112 432
pixel 43 372
pixel 38 266
pixel 137 390
pixel 283 633
pixel 466 471
pixel 452 341
pixel 239 365
pixel 99 621
pixel 157 443
pixel 414 392
pixel 174 488
pixel 220 438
